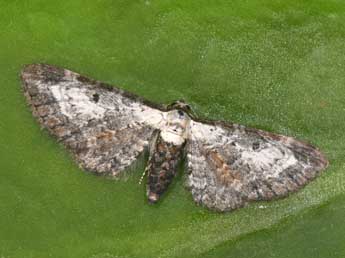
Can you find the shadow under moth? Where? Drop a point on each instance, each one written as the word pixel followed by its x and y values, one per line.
pixel 107 129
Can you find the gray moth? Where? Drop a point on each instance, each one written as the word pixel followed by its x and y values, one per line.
pixel 106 129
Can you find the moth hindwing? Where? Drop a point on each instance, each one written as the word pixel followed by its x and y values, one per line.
pixel 106 129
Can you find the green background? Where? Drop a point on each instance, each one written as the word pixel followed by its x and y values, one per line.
pixel 274 65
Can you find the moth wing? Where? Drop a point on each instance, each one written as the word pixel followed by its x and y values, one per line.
pixel 104 127
pixel 230 165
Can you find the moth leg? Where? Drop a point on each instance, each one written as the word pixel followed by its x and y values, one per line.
pixel 152 145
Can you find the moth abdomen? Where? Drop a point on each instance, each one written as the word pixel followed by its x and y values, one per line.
pixel 162 167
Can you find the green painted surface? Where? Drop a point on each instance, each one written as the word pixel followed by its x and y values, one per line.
pixel 317 233
pixel 275 65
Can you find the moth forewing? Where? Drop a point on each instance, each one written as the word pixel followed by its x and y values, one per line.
pixel 230 165
pixel 105 134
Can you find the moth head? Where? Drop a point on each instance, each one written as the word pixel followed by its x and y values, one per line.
pixel 177 118
pixel 181 106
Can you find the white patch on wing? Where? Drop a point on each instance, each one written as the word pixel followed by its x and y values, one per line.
pixel 147 115
pixel 271 159
pixel 74 102
pixel 266 157
pixel 201 131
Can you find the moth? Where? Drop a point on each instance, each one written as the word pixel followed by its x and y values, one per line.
pixel 107 128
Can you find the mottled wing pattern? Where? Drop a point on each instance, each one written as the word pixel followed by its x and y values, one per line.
pixel 230 165
pixel 104 127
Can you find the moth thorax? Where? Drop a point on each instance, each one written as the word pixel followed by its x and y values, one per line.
pixel 175 129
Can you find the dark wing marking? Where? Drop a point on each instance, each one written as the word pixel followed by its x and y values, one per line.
pixel 230 165
pixel 104 127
